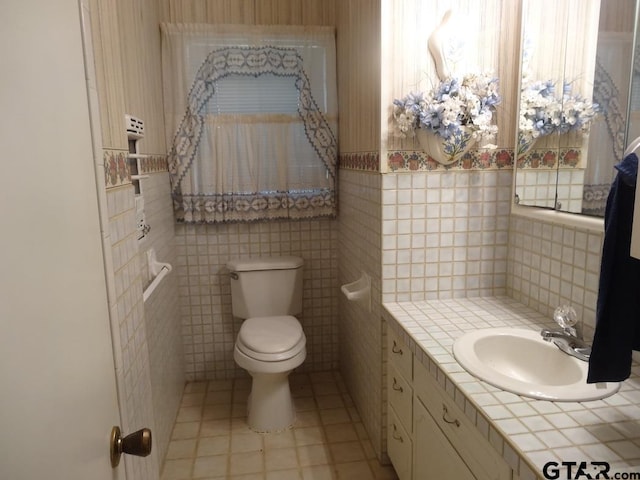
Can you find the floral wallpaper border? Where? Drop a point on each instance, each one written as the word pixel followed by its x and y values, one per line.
pixel 367 161
pixel 414 160
pixel 154 164
pixel 551 159
pixel 117 170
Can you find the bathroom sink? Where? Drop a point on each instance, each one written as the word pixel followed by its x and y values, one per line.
pixel 520 361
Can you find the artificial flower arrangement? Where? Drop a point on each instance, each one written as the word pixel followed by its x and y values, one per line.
pixel 542 114
pixel 458 110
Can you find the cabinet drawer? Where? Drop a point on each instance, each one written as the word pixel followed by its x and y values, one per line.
pixel 399 354
pixel 434 456
pixel 400 395
pixel 399 446
pixel 475 450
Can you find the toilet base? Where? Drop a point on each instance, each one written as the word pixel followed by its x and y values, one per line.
pixel 270 406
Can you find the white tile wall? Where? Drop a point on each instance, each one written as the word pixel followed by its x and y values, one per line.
pixel 361 330
pixel 162 311
pixel 420 235
pixel 444 234
pixel 540 187
pixel 552 264
pixel 208 327
pixel 129 330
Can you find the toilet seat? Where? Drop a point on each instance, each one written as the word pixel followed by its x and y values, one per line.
pixel 271 339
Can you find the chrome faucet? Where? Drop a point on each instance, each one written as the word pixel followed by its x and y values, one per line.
pixel 567 339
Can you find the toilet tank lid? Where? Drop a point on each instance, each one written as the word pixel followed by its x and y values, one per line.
pixel 264 263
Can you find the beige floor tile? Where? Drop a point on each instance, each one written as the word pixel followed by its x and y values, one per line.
pixel 341 432
pixel 210 428
pixel 192 399
pixel 181 449
pixel 382 472
pixel 307 419
pixel 309 436
pixel 216 411
pixel 325 388
pixel 302 391
pixel 330 401
pixel 185 430
pixel 218 397
pixel 212 441
pixel 212 466
pixel 346 452
pixel 354 471
pixel 318 472
pixel 219 385
pixel 193 387
pixel 189 414
pixel 334 415
pixel 279 440
pixel 281 459
pixel 293 474
pixel 177 470
pixel 213 446
pixel 246 442
pixel 246 462
pixel 313 455
pixel 304 404
pixel 248 476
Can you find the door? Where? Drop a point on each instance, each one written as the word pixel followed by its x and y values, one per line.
pixel 57 381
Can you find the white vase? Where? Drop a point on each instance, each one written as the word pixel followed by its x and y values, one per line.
pixel 525 145
pixel 445 151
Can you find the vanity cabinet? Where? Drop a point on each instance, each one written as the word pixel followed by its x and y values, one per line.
pixel 462 438
pixel 428 435
pixel 400 406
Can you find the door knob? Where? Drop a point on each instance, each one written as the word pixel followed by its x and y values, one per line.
pixel 136 443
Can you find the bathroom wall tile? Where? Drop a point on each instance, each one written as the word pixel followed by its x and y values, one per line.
pixel 551 264
pixel 463 243
pixel 208 327
pixel 360 250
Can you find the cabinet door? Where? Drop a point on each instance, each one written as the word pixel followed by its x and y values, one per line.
pixel 399 446
pixel 433 456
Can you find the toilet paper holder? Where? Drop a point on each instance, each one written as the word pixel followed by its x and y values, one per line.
pixel 360 290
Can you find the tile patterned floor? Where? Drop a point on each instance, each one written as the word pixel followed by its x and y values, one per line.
pixel 211 440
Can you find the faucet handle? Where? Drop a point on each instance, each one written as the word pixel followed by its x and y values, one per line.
pixel 565 316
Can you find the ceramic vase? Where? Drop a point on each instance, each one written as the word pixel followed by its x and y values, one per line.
pixel 445 151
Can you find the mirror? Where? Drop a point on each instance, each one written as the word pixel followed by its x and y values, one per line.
pixel 576 66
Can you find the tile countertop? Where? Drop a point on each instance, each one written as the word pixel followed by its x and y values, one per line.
pixel 527 432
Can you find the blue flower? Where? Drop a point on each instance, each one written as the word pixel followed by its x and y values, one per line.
pixel 455 102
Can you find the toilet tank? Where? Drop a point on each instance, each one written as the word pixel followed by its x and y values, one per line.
pixel 266 286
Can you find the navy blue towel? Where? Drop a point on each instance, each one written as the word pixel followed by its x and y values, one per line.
pixel 617 331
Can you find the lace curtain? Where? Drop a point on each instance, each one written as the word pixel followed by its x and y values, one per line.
pixel 251 115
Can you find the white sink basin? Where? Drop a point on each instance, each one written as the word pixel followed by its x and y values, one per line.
pixel 520 361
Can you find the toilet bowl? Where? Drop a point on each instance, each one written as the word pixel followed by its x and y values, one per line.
pixel 269 348
pixel 266 293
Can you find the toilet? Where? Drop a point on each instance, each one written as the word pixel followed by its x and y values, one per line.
pixel 266 293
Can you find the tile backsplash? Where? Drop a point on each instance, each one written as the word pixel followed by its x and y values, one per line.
pixel 445 234
pixel 552 264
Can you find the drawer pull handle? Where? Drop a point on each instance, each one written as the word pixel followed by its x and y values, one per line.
pixel 445 412
pixel 396 387
pixel 395 348
pixel 396 435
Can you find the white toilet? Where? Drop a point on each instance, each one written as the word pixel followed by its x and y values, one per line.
pixel 267 292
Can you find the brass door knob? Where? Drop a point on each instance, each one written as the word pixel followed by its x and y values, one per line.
pixel 136 443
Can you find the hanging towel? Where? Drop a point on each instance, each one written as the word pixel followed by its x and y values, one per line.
pixel 617 331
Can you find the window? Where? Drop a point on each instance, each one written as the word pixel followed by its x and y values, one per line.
pixel 251 121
